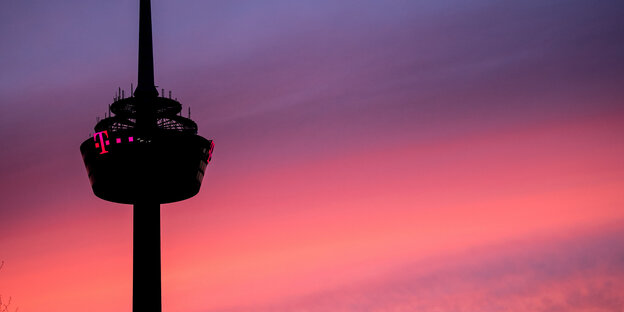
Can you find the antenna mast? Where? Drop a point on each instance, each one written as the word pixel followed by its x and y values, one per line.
pixel 145 86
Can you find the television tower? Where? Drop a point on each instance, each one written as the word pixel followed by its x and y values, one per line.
pixel 145 153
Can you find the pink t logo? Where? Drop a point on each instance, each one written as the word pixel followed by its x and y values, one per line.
pixel 102 141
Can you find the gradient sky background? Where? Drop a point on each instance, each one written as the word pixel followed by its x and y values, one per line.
pixel 370 155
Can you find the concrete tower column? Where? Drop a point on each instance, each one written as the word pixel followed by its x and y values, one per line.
pixel 146 268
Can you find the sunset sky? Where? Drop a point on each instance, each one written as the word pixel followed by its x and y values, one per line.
pixel 370 155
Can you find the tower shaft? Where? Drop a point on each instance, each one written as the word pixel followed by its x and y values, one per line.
pixel 146 272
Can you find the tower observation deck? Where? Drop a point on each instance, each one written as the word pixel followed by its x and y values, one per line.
pixel 146 153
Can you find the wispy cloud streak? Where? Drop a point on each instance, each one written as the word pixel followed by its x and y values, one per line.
pixel 579 273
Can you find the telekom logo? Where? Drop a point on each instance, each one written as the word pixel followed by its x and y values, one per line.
pixel 103 139
pixel 102 142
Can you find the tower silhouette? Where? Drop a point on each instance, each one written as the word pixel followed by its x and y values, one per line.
pixel 145 153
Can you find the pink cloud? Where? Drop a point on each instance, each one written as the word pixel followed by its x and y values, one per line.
pixel 580 272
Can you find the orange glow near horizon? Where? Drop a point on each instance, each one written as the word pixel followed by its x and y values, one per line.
pixel 356 211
